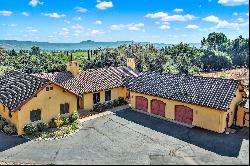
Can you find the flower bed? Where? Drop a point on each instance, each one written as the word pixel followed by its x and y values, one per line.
pixel 56 129
pixel 100 107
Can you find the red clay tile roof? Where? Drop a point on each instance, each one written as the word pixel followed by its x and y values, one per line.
pixel 204 91
pixel 91 80
pixel 17 87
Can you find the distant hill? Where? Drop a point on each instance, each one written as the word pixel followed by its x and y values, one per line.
pixel 84 45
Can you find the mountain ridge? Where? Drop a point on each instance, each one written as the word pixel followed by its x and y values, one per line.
pixel 83 45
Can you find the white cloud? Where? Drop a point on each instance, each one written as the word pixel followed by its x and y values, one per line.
pixel 54 15
pixel 240 19
pixel 235 14
pixel 233 2
pixel 131 27
pixel 179 17
pixel 81 9
pixel 34 3
pixel 25 14
pixel 166 18
pixel 12 25
pixel 244 24
pixel 31 29
pixel 66 22
pixel 77 18
pixel 95 32
pixel 212 19
pixel 191 26
pixel 178 10
pixel 227 25
pixel 164 27
pixel 157 15
pixel 65 29
pixel 117 27
pixel 221 24
pixel 5 13
pixel 104 5
pixel 247 14
pixel 77 31
pixel 99 22
pixel 77 26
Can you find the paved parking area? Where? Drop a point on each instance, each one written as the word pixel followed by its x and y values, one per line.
pixel 129 137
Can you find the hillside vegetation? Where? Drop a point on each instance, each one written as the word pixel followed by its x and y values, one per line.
pixel 216 53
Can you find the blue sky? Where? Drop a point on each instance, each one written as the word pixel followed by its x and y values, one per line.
pixel 161 21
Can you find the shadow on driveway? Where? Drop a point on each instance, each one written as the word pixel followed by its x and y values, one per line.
pixel 222 144
pixel 7 142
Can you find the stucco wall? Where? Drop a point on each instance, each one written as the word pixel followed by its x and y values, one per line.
pixel 49 103
pixel 240 115
pixel 204 117
pixel 115 93
pixel 4 112
pixel 233 106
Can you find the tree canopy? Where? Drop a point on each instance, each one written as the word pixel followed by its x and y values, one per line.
pixel 217 52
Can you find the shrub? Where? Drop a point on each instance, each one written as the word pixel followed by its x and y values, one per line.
pixel 9 129
pixel 66 121
pixel 66 130
pixel 56 134
pixel 74 117
pixel 41 126
pixel 45 135
pixel 115 103
pixel 30 129
pixel 97 107
pixel 108 105
pixel 59 123
pixel 121 101
pixel 75 125
pixel 52 123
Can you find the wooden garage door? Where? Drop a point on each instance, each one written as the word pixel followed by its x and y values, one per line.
pixel 158 107
pixel 184 114
pixel 141 103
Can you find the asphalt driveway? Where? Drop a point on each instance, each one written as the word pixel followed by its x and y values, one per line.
pixel 129 137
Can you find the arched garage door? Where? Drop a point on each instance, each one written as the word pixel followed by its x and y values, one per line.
pixel 141 103
pixel 183 114
pixel 158 107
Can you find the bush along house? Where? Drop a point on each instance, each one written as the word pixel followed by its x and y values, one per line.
pixel 25 98
pixel 209 103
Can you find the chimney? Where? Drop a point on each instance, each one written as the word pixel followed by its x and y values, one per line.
pixel 131 63
pixel 73 67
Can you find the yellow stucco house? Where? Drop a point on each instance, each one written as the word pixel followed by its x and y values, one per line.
pixel 25 98
pixel 209 103
pixel 94 85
